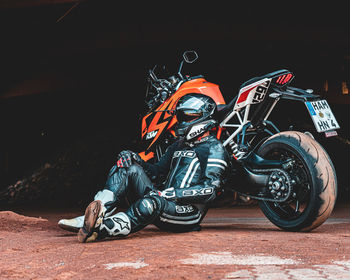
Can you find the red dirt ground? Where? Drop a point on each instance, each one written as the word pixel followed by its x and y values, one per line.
pixel 235 243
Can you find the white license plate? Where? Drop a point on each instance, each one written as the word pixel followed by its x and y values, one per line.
pixel 322 115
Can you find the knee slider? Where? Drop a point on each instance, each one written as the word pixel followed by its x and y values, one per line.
pixel 157 200
pixel 146 207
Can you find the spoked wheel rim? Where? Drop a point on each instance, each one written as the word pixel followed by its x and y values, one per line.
pixel 299 199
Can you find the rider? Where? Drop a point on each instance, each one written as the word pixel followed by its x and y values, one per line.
pixel 192 171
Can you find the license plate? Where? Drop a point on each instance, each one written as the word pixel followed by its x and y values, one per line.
pixel 322 115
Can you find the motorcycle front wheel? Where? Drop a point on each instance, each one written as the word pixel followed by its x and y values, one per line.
pixel 314 188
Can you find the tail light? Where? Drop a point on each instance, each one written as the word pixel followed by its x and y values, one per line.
pixel 284 79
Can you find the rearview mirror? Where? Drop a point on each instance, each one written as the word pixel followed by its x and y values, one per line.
pixel 190 56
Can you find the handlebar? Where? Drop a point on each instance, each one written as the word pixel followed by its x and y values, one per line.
pixel 165 87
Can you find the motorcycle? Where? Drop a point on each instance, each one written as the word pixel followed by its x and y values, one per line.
pixel 288 173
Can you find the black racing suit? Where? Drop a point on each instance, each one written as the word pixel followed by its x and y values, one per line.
pixel 192 175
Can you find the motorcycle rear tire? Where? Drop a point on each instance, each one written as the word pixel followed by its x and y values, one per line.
pixel 322 187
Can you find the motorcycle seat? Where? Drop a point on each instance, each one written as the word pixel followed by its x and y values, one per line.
pixel 269 76
pixel 224 109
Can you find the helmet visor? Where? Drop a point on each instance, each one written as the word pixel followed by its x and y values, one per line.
pixel 192 103
pixel 187 115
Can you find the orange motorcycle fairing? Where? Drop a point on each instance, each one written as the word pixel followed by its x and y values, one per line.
pixel 155 124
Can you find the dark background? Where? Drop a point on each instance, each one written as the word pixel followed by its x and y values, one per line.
pixel 72 88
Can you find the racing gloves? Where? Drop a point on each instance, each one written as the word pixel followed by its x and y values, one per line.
pixel 127 158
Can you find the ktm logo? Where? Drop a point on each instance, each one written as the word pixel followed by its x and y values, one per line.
pixel 151 134
pixel 158 123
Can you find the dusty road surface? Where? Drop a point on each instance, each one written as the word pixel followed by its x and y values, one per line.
pixel 235 243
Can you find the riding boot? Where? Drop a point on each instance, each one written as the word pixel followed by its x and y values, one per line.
pixel 96 227
pixel 74 224
pixel 140 214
